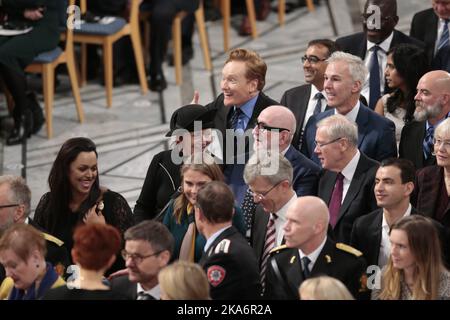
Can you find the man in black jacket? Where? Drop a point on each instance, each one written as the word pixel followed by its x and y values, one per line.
pixel 379 36
pixel 228 260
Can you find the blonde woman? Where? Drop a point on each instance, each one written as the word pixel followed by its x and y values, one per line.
pixel 183 280
pixel 324 288
pixel 414 270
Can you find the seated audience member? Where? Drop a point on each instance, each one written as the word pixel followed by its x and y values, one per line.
pixel 183 280
pixel 405 65
pixel 94 251
pixel 15 200
pixel 310 98
pixel 269 178
pixel 414 270
pixel 22 254
pixel 346 184
pixel 179 217
pixel 148 249
pixel 310 252
pixel 237 109
pixel 432 107
pixel 431 196
pixel 40 17
pixel 373 43
pixel 163 176
pixel 344 77
pixel 274 131
pixel 436 39
pixel 76 196
pixel 228 260
pixel 324 288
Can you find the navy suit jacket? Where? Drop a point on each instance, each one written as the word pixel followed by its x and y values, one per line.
pixel 376 135
pixel 306 173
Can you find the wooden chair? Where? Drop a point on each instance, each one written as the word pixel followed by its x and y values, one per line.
pixel 177 45
pixel 105 35
pixel 46 63
pixel 225 7
pixel 176 39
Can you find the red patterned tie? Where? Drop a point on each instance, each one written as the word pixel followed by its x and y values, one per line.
pixel 336 199
pixel 268 245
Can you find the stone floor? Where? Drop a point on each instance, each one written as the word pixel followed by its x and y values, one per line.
pixel 132 130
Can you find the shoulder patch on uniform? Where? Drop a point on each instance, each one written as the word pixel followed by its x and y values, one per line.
pixel 279 248
pixel 53 239
pixel 215 275
pixel 223 246
pixel 349 249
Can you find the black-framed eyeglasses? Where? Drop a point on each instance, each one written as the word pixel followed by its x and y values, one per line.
pixel 321 145
pixel 312 59
pixel 262 195
pixel 262 126
pixel 136 257
pixel 9 205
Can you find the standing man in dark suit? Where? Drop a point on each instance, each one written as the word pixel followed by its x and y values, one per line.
pixel 274 131
pixel 432 107
pixel 237 108
pixel 309 252
pixel 15 200
pixel 347 183
pixel 378 37
pixel 269 178
pixel 432 27
pixel 344 77
pixel 148 249
pixel 394 183
pixel 309 99
pixel 229 262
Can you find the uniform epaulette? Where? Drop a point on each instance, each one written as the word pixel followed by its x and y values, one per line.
pixel 277 249
pixel 53 239
pixel 349 249
pixel 223 246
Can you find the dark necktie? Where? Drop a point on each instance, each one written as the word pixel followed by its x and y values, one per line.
pixel 306 261
pixel 144 296
pixel 318 108
pixel 269 244
pixel 233 124
pixel 428 142
pixel 248 208
pixel 374 78
pixel 336 199
pixel 444 40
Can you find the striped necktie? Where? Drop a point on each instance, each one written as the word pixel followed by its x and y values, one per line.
pixel 444 40
pixel 269 244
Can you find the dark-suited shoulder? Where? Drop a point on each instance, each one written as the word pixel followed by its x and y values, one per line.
pixel 411 144
pixel 231 267
pixel 306 173
pixel 124 286
pixel 366 235
pixel 427 35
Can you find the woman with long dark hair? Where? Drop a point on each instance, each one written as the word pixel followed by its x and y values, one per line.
pixel 76 195
pixel 406 64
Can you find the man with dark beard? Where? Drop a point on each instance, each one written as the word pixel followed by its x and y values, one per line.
pixel 432 107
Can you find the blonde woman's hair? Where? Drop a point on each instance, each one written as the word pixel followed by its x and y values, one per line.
pixel 184 280
pixel 324 288
pixel 424 244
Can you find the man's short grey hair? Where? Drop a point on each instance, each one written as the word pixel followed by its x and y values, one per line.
pixel 19 192
pixel 356 66
pixel 272 166
pixel 338 126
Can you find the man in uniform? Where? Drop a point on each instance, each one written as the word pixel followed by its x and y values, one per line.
pixel 15 199
pixel 229 262
pixel 309 252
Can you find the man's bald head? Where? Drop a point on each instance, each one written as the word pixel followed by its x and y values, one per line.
pixel 439 79
pixel 307 223
pixel 275 117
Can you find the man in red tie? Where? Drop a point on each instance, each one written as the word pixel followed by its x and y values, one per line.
pixel 347 183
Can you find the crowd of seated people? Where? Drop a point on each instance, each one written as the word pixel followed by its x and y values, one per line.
pixel 346 176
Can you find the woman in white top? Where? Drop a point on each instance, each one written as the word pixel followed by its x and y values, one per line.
pixel 406 64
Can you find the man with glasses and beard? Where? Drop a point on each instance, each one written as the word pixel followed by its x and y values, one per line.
pixel 432 107
pixel 148 249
